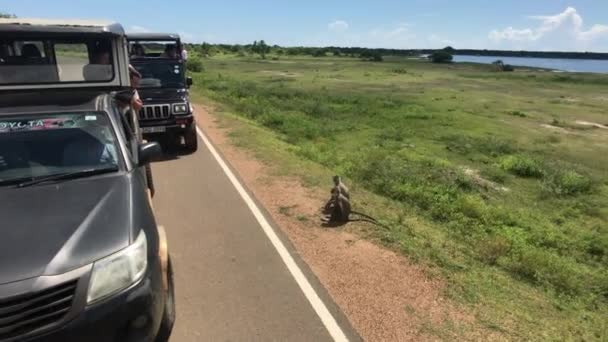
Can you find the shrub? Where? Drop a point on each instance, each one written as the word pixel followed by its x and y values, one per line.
pixel 566 183
pixel 371 56
pixel 500 66
pixel 522 166
pixel 319 53
pixel 508 68
pixel 493 248
pixel 518 113
pixel 194 64
pixel 560 273
pixel 441 57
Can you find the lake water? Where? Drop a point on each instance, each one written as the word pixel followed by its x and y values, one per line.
pixel 570 65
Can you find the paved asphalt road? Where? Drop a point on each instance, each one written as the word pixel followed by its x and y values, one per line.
pixel 231 283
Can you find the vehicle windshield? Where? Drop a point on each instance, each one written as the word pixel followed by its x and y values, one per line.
pixel 160 75
pixel 46 60
pixel 43 145
pixel 166 49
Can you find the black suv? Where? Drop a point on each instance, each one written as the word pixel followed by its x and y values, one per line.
pixel 167 115
pixel 81 255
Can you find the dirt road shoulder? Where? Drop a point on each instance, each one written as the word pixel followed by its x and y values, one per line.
pixel 385 296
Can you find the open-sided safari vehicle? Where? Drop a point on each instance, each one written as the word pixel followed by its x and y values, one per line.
pixel 81 256
pixel 167 115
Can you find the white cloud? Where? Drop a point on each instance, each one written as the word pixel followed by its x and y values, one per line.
pixel 398 36
pixel 139 29
pixel 338 26
pixel 595 32
pixel 566 28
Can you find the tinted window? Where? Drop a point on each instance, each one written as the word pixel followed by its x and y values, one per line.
pixel 160 75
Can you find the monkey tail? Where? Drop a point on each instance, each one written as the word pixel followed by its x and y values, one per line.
pixel 366 218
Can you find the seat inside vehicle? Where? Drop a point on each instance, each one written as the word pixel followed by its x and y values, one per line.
pixel 83 150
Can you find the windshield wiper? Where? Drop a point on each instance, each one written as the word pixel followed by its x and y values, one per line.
pixel 67 175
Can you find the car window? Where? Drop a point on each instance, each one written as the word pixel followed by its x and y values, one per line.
pixel 48 144
pixel 52 60
pixel 72 58
pixel 157 74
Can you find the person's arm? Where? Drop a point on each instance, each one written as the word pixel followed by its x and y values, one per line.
pixel 136 102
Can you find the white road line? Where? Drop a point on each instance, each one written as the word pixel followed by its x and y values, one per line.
pixel 326 317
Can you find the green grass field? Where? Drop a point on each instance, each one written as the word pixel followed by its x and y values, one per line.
pixel 498 181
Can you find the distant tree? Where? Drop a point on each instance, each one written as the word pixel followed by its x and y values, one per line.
pixel 319 53
pixel 205 49
pixel 441 57
pixel 371 55
pixel 7 15
pixel 260 48
pixel 264 49
pixel 449 49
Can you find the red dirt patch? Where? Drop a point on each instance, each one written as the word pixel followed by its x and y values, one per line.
pixel 385 297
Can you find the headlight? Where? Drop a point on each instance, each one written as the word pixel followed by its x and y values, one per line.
pixel 180 108
pixel 119 270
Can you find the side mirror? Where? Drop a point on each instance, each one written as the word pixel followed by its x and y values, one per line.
pixel 149 152
pixel 189 81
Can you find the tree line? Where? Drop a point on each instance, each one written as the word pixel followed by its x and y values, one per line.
pixel 263 49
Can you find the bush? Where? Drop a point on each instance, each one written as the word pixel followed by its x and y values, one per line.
pixel 566 183
pixel 518 113
pixel 319 53
pixel 522 166
pixel 560 273
pixel 371 56
pixel 194 64
pixel 441 57
pixel 493 248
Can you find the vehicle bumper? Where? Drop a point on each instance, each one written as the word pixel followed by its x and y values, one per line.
pixel 131 316
pixel 176 126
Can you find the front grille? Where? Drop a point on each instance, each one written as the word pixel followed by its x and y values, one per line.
pixel 27 313
pixel 152 112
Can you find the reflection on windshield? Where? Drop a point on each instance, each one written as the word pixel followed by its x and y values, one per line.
pixel 161 75
pixel 44 145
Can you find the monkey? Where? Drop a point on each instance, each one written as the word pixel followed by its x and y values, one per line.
pixel 338 208
pixel 343 189
pixel 339 188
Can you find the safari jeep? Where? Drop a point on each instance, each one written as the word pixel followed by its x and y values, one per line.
pixel 167 114
pixel 81 255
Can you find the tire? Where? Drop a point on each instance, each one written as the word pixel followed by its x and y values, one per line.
pixel 150 180
pixel 166 325
pixel 191 139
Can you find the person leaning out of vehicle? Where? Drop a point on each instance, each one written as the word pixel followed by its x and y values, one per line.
pixel 131 100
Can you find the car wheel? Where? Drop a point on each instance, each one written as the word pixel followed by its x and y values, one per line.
pixel 191 139
pixel 166 325
pixel 149 180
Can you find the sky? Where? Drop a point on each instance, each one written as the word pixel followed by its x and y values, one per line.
pixel 575 25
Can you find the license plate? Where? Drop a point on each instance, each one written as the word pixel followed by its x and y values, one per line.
pixel 160 129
